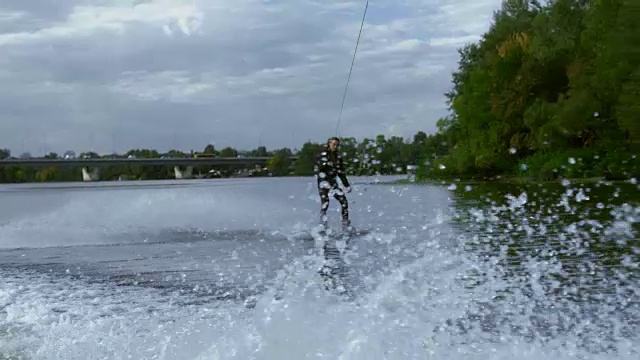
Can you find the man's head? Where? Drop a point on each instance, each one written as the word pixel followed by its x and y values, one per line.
pixel 333 143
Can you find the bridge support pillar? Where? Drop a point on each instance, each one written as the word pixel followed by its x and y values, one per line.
pixel 183 174
pixel 90 174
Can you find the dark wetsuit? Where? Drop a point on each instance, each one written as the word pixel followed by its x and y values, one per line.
pixel 328 166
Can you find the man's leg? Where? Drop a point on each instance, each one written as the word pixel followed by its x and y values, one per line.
pixel 346 223
pixel 324 204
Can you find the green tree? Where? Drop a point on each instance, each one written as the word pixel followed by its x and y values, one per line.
pixel 209 150
pixel 543 83
pixel 279 164
pixel 228 152
pixel 261 151
pixel 306 158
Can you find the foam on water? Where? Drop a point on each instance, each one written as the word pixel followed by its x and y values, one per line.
pixel 422 292
pixel 103 217
pixel 420 310
pixel 57 318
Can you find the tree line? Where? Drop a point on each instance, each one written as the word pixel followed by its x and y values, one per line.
pixel 368 157
pixel 549 91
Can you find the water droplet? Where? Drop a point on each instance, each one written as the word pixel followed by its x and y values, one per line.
pixel 513 150
pixel 580 196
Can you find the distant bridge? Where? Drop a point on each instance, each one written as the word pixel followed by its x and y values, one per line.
pixel 95 163
pixel 41 162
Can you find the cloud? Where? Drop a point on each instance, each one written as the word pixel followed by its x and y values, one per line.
pixel 87 21
pixel 181 73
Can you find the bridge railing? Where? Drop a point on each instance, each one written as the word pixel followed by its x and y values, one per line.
pixel 43 162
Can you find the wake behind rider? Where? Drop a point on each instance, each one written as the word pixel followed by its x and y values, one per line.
pixel 329 166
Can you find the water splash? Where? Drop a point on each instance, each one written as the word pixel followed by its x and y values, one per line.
pixel 529 274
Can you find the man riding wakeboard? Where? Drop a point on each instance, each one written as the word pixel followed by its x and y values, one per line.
pixel 328 167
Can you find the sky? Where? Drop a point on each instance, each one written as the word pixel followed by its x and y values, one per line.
pixel 112 75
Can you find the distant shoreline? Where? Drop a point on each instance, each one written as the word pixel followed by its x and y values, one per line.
pixel 513 180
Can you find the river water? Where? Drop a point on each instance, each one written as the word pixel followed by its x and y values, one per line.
pixel 229 269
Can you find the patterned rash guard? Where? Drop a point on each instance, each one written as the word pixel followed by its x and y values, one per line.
pixel 328 166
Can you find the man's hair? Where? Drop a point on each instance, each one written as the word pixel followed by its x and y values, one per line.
pixel 333 138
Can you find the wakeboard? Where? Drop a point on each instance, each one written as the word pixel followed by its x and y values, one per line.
pixel 328 233
pixel 348 234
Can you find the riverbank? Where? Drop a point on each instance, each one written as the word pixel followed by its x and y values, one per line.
pixel 512 180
